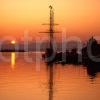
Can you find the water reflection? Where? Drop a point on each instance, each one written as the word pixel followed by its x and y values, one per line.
pixel 68 82
pixel 13 60
pixel 92 70
pixel 50 82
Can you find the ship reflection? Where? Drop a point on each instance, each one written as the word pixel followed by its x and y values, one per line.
pixel 13 57
pixel 92 71
pixel 50 81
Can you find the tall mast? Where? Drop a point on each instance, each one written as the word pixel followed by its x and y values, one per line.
pixel 51 30
pixel 51 27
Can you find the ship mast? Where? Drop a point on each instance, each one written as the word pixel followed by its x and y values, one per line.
pixel 51 30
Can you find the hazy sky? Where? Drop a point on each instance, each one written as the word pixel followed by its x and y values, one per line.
pixel 78 17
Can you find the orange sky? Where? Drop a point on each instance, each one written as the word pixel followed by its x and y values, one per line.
pixel 78 17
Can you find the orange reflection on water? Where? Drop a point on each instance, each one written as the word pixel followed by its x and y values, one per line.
pixel 13 60
pixel 56 82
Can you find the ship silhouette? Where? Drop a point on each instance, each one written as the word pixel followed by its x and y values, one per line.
pixel 70 57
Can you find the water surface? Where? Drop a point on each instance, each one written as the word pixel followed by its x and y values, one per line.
pixel 23 79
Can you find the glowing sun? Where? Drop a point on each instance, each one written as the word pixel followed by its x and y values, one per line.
pixel 13 42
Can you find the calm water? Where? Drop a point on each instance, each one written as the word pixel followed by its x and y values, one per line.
pixel 21 79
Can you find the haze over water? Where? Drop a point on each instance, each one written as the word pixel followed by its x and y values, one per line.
pixel 21 80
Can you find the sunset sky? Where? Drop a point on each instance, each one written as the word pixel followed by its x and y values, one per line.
pixel 79 17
